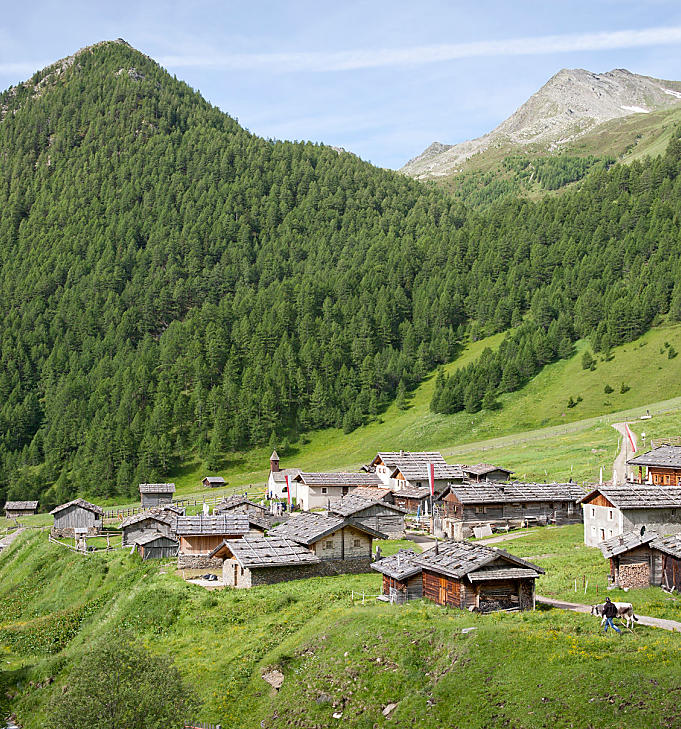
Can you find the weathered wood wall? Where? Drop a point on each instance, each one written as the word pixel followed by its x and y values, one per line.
pixel 346 543
pixel 140 528
pixel 161 548
pixel 149 500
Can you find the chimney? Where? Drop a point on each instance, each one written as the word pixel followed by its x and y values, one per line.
pixel 401 453
pixel 274 462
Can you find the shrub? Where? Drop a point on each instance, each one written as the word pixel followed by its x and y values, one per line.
pixel 607 389
pixel 624 388
pixel 671 353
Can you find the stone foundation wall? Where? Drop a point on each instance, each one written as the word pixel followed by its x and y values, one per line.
pixel 198 562
pixel 330 567
pixel 69 533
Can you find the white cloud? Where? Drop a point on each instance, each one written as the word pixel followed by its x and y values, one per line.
pixel 419 55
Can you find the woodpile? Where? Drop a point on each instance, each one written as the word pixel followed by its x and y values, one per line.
pixel 634 576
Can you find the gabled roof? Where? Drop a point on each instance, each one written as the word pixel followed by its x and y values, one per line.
pixel 639 496
pixel 234 501
pixel 412 492
pixel 159 515
pixel 228 524
pixel 213 479
pixel 457 559
pixel 490 492
pixel 82 504
pixel 414 465
pixel 625 541
pixel 482 469
pixel 258 552
pixel 669 545
pixel 157 488
pixel 665 456
pixel 152 537
pixel 352 505
pixel 339 479
pixel 400 566
pixel 309 527
pixel 373 493
pixel 22 505
pixel 279 476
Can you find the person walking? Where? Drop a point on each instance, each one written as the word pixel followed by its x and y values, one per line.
pixel 609 612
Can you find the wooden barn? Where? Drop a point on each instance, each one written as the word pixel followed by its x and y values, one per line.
pixel 486 472
pixel 662 464
pixel 17 509
pixel 77 517
pixel 402 579
pixel 643 560
pixel 371 512
pixel 199 535
pixel 343 545
pixel 254 561
pixel 314 490
pixel 156 521
pixel 156 494
pixel 413 500
pixel 472 576
pixel 213 482
pixel 153 545
pixel 242 505
pixel 466 506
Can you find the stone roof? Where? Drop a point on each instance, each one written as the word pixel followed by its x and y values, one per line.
pixel 213 479
pixel 414 465
pixel 279 476
pixel 157 488
pixel 400 566
pixel 159 515
pixel 481 469
pixel 258 552
pixel 309 527
pixel 669 545
pixel 512 573
pixel 665 456
pixel 22 505
pixel 228 524
pixel 373 493
pixel 625 541
pixel 489 492
pixel 354 504
pixel 339 479
pixel 234 501
pixel 152 537
pixel 412 492
pixel 457 559
pixel 639 496
pixel 82 504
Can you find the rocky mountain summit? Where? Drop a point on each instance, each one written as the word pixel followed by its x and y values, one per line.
pixel 571 104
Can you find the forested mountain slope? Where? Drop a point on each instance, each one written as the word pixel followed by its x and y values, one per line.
pixel 170 282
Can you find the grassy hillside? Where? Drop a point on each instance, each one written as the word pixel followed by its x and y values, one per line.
pixel 520 670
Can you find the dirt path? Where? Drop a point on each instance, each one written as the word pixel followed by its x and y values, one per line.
pixel 626 451
pixel 6 541
pixel 504 537
pixel 671 625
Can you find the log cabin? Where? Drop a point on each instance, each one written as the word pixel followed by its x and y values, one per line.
pixel 213 482
pixel 343 545
pixel 414 500
pixel 314 490
pixel 473 576
pixel 153 545
pixel 17 509
pixel 156 494
pixel 77 517
pixel 371 511
pixel 612 510
pixel 199 535
pixel 662 465
pixel 486 472
pixel 643 560
pixel 402 579
pixel 156 521
pixel 464 507
pixel 242 505
pixel 254 561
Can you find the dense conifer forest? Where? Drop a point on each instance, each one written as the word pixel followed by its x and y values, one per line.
pixel 171 283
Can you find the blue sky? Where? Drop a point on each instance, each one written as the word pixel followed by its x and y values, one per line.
pixel 382 79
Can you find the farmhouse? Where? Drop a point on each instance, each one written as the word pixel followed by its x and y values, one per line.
pixel 155 494
pixel 371 512
pixel 213 482
pixel 405 469
pixel 486 472
pixel 199 535
pixel 17 509
pixel 612 510
pixel 242 505
pixel 640 560
pixel 276 483
pixel 402 578
pixel 313 490
pixel 467 575
pixel 77 517
pixel 153 521
pixel 253 561
pixel 343 545
pixel 153 545
pixel 662 464
pixel 466 506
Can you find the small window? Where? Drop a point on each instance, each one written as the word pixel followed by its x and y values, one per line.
pixel 418 484
pixel 610 514
pixel 593 511
pixel 328 544
pixel 357 542
pixel 324 489
pixel 242 571
pixel 480 509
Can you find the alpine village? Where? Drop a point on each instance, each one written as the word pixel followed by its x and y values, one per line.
pixel 288 439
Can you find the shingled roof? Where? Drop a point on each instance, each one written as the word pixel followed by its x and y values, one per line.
pixel 493 493
pixel 458 559
pixel 280 476
pixel 665 456
pixel 233 502
pixel 412 492
pixel 669 545
pixel 22 505
pixel 213 479
pixel 152 537
pixel 79 502
pixel 227 524
pixel 414 465
pixel 160 515
pixel 639 496
pixel 309 527
pixel 259 552
pixel 481 469
pixel 157 488
pixel 625 541
pixel 354 504
pixel 339 479
pixel 400 566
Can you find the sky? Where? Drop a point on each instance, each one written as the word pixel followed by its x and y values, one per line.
pixel 382 79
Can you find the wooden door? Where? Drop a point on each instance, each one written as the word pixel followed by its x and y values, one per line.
pixel 236 573
pixel 442 597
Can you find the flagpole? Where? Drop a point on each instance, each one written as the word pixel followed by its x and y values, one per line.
pixel 431 478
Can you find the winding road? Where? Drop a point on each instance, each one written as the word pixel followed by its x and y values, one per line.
pixel 629 446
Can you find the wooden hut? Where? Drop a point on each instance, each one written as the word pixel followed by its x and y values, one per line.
pixel 213 482
pixel 77 517
pixel 466 506
pixel 156 494
pixel 17 509
pixel 402 578
pixel 199 535
pixel 486 472
pixel 662 464
pixel 242 505
pixel 343 545
pixel 153 521
pixel 415 500
pixel 153 545
pixel 371 512
pixel 467 575
pixel 253 561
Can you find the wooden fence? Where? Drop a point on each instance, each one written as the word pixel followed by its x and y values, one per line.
pixel 211 499
pixel 202 725
pixel 79 550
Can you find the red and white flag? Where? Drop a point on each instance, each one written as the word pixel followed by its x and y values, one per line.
pixel 431 478
pixel 288 491
pixel 630 436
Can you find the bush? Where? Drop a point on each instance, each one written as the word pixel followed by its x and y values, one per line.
pixel 624 388
pixel 671 353
pixel 607 389
pixel 588 362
